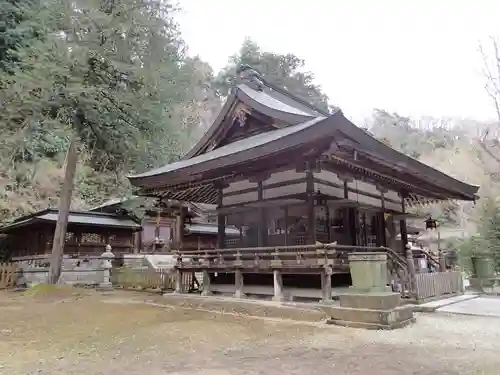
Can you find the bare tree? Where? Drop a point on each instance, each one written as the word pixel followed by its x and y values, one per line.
pixel 491 69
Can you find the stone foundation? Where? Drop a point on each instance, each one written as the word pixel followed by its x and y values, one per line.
pixel 376 310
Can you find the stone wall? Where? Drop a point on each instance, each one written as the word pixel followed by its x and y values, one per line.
pixel 75 271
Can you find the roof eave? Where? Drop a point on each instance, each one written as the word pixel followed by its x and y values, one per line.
pixel 427 173
pixel 321 129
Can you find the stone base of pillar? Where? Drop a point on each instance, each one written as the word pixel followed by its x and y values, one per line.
pixel 278 299
pixel 326 301
pixel 239 294
pixel 105 286
pixel 206 293
pixel 370 311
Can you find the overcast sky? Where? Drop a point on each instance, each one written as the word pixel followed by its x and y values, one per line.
pixel 416 57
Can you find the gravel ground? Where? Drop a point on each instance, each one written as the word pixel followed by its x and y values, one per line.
pixel 86 334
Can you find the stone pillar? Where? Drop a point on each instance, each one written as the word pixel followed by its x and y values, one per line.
pixel 178 281
pixel 238 283
pixel 278 286
pixel 206 284
pixel 369 272
pixel 326 284
pixel 106 265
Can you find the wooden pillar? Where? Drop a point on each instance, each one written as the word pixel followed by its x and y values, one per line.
pixel 402 226
pixel 179 229
pixel 381 238
pixel 286 226
pixel 206 284
pixel 221 223
pixel 311 217
pixel 262 225
pixel 328 224
pixel 350 216
pixel 365 233
pixel 178 281
pixel 238 283
pixel 326 284
pixel 241 234
pixel 391 228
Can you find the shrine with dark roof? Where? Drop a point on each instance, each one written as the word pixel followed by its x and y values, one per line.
pixel 289 175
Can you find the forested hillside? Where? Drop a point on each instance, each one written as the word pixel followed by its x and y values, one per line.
pixel 115 75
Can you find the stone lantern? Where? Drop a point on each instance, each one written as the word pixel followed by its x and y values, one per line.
pixel 106 266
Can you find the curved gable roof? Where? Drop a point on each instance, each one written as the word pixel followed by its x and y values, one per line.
pixel 267 101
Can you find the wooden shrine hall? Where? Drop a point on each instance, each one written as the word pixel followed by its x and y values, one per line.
pixel 290 175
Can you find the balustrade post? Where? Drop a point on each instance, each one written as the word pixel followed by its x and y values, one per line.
pixel 238 283
pixel 238 262
pixel 276 261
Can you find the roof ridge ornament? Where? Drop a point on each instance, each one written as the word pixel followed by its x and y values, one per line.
pixel 249 76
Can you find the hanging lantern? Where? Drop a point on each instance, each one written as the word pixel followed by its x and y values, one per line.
pixel 431 223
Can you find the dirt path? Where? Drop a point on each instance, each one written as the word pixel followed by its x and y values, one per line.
pixel 93 334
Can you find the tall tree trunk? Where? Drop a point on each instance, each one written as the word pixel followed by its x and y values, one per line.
pixel 64 206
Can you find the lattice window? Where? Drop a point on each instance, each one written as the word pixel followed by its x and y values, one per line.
pixel 91 238
pixel 123 239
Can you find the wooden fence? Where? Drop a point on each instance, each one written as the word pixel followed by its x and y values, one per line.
pixel 7 275
pixel 437 284
pixel 152 279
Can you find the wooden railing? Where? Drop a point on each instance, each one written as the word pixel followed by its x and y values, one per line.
pixel 159 279
pixel 265 258
pixel 280 257
pixel 7 275
pixel 436 284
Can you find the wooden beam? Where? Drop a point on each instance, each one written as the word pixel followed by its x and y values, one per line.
pixel 381 175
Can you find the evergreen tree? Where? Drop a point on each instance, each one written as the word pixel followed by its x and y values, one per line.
pixel 113 73
pixel 285 71
pixel 489 230
pixel 118 66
